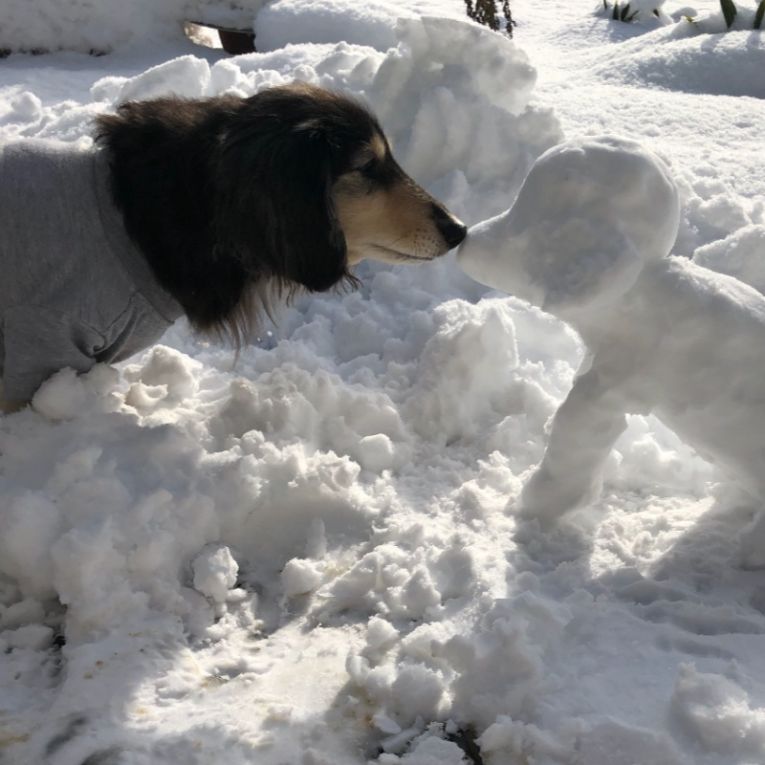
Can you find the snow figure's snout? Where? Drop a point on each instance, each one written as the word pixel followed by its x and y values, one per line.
pixel 495 253
pixel 588 217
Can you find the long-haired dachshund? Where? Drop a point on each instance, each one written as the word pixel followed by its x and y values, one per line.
pixel 201 207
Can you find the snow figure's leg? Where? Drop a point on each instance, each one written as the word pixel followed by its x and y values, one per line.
pixel 583 431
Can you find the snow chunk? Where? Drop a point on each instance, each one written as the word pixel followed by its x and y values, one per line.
pixel 186 76
pixel 417 692
pixel 33 637
pixel 66 394
pixel 215 572
pixel 433 750
pixel 24 108
pixel 471 342
pixel 29 524
pixel 376 453
pixel 739 254
pixel 301 576
pixel 717 712
pixel 21 613
pixel 381 634
pixel 163 375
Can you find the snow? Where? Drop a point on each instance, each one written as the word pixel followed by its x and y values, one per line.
pixel 371 23
pixel 106 25
pixel 215 572
pixel 311 554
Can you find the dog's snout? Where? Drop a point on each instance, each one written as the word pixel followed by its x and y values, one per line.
pixel 451 229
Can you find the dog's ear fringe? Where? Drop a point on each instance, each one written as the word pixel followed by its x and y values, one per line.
pixel 242 326
pixel 273 207
pixel 226 233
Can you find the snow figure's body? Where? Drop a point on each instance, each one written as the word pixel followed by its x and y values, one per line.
pixel 588 240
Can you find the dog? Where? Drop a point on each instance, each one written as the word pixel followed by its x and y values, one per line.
pixel 207 208
pixel 588 240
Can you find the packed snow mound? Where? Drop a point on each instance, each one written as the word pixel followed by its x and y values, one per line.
pixel 104 25
pixel 739 254
pixel 716 712
pixel 455 76
pixel 285 22
pixel 591 213
pixel 694 57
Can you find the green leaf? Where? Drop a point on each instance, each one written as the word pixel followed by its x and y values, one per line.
pixel 625 12
pixel 729 11
pixel 615 17
pixel 758 16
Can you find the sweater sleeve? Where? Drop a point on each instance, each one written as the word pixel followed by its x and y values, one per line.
pixel 38 342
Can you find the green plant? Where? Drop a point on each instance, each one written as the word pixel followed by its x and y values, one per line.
pixel 759 14
pixel 485 12
pixel 619 13
pixel 729 11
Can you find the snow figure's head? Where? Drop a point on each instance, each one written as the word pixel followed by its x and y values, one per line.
pixel 589 215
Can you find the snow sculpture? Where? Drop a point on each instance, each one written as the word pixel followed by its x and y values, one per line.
pixel 588 239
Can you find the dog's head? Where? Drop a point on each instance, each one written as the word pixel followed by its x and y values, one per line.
pixel 307 186
pixel 588 217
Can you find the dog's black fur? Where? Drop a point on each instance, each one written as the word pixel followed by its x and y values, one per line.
pixel 225 194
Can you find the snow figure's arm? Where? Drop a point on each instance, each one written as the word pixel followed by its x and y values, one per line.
pixel 583 431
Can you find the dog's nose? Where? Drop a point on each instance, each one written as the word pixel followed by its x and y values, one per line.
pixel 451 229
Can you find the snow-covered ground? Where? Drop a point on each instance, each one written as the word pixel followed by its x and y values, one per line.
pixel 306 556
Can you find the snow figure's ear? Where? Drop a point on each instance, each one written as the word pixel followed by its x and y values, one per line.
pixel 582 265
pixel 589 215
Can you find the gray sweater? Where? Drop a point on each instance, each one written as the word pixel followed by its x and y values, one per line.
pixel 74 289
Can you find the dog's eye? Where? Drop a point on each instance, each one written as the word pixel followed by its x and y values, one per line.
pixel 367 166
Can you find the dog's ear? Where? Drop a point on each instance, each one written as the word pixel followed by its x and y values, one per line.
pixel 273 200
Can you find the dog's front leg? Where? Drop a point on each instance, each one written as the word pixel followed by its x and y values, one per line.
pixel 583 431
